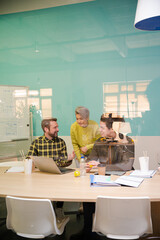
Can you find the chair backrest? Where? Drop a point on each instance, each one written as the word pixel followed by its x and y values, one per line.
pixel 122 217
pixel 32 218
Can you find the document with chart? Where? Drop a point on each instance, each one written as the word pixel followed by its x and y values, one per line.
pixel 129 181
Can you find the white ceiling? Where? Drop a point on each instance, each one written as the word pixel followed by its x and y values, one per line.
pixel 12 6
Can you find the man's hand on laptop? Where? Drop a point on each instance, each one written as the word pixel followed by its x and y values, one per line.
pixel 70 158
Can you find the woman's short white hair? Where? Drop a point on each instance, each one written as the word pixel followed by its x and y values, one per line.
pixel 84 112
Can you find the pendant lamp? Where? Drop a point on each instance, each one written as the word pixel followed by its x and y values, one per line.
pixel 148 15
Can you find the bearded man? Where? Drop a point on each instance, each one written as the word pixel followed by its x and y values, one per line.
pixel 50 145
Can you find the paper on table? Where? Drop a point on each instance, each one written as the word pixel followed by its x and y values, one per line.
pixel 16 169
pixel 100 181
pixel 139 173
pixel 129 181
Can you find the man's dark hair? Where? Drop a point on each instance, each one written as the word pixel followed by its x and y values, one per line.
pixel 46 122
pixel 107 121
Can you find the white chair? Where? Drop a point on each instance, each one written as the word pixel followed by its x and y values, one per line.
pixel 122 217
pixel 32 218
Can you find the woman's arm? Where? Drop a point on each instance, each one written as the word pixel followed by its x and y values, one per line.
pixel 75 143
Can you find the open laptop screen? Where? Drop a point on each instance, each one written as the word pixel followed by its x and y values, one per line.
pixel 46 164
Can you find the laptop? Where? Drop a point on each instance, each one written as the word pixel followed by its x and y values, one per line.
pixel 45 164
pixel 119 168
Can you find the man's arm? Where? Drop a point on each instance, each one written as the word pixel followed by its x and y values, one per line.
pixel 64 159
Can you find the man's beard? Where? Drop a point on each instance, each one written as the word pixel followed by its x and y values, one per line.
pixel 53 135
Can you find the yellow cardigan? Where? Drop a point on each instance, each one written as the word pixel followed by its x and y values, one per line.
pixel 84 137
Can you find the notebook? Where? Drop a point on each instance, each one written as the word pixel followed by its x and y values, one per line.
pixel 101 181
pixel 46 164
pixel 139 173
pixel 129 181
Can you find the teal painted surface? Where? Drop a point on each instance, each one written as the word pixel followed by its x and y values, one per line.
pixel 80 47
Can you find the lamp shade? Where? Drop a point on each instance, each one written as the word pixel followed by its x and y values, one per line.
pixel 148 15
pixel 125 127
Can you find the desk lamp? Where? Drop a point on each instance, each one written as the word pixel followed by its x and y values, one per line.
pixel 125 128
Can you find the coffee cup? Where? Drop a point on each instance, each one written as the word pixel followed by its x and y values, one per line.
pixel 101 169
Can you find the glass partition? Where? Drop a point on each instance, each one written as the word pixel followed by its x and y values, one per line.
pixel 86 54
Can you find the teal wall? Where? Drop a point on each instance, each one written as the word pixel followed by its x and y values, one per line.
pixel 81 46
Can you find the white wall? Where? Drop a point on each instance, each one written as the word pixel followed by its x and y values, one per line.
pixel 149 144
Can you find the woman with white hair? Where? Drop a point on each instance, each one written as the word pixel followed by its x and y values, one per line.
pixel 84 132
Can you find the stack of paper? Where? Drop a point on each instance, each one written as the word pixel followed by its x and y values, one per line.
pixel 16 169
pixel 129 181
pixel 139 173
pixel 101 181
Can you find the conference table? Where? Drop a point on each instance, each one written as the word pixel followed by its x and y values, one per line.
pixel 67 187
